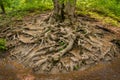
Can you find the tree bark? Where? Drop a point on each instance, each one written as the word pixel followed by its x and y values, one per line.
pixel 64 9
pixel 2 7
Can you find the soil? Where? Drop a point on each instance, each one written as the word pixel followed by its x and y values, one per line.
pixel 11 70
pixel 56 49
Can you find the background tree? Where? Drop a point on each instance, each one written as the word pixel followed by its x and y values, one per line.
pixel 2 6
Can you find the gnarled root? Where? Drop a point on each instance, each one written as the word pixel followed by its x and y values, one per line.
pixel 61 47
pixel 58 55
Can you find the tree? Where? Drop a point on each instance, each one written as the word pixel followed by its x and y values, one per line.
pixel 2 6
pixel 63 9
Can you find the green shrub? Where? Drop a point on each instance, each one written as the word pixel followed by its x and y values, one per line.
pixel 2 44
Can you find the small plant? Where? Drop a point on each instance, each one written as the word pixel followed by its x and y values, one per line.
pixel 61 43
pixel 2 44
pixel 76 67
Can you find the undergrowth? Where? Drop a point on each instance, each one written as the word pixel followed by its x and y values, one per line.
pixel 2 45
pixel 110 8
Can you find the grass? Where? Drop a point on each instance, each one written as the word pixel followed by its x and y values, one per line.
pixel 109 8
pixel 19 8
pixel 101 18
pixel 105 19
pixel 96 8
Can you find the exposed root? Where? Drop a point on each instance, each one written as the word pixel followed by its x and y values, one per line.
pixel 57 56
pixel 60 47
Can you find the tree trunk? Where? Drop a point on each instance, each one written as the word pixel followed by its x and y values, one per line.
pixel 2 7
pixel 64 10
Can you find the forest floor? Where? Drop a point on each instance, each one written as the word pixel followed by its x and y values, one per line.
pixel 59 48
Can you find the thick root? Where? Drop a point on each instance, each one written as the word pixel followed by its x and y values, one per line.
pixel 57 56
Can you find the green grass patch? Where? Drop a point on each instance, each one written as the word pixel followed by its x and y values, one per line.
pixel 104 19
pixel 110 8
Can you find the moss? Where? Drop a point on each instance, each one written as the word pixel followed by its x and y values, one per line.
pixel 103 18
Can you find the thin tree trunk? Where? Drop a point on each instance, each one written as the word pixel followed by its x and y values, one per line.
pixel 2 6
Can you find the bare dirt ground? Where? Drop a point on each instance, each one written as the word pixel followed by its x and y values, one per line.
pixel 10 70
pixel 59 48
